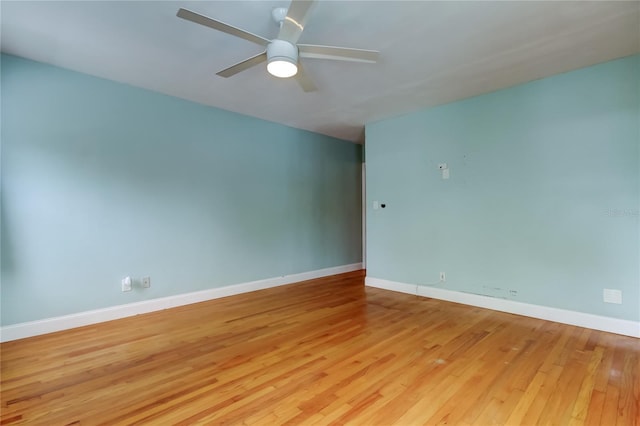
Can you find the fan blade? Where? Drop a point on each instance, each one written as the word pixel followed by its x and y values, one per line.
pixel 304 80
pixel 295 20
pixel 337 53
pixel 241 66
pixel 221 26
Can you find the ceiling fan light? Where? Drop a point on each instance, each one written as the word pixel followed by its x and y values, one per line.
pixel 282 68
pixel 282 59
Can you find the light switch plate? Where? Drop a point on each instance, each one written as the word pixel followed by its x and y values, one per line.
pixel 126 284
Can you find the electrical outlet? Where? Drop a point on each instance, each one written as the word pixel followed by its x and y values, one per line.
pixel 443 277
pixel 126 284
pixel 146 282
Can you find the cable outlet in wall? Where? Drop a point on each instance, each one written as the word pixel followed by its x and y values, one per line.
pixel 443 277
pixel 146 282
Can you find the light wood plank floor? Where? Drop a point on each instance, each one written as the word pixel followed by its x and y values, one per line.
pixel 326 351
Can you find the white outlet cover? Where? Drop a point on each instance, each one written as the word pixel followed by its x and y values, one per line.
pixel 612 296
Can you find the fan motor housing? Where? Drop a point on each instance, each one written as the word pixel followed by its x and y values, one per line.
pixel 282 50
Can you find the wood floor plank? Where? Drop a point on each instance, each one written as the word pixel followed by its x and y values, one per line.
pixel 609 414
pixel 518 414
pixel 594 413
pixel 581 407
pixel 629 398
pixel 548 392
pixel 325 351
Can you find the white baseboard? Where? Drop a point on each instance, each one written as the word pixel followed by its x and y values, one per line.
pixel 581 319
pixel 50 325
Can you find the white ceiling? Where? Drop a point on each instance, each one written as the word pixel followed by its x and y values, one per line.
pixel 431 52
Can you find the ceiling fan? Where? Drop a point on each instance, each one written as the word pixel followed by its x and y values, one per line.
pixel 282 52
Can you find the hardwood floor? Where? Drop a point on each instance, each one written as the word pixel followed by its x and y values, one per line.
pixel 326 351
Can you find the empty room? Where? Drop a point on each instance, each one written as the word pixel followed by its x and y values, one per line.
pixel 320 212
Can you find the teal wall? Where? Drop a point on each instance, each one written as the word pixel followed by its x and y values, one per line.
pixel 101 180
pixel 543 197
